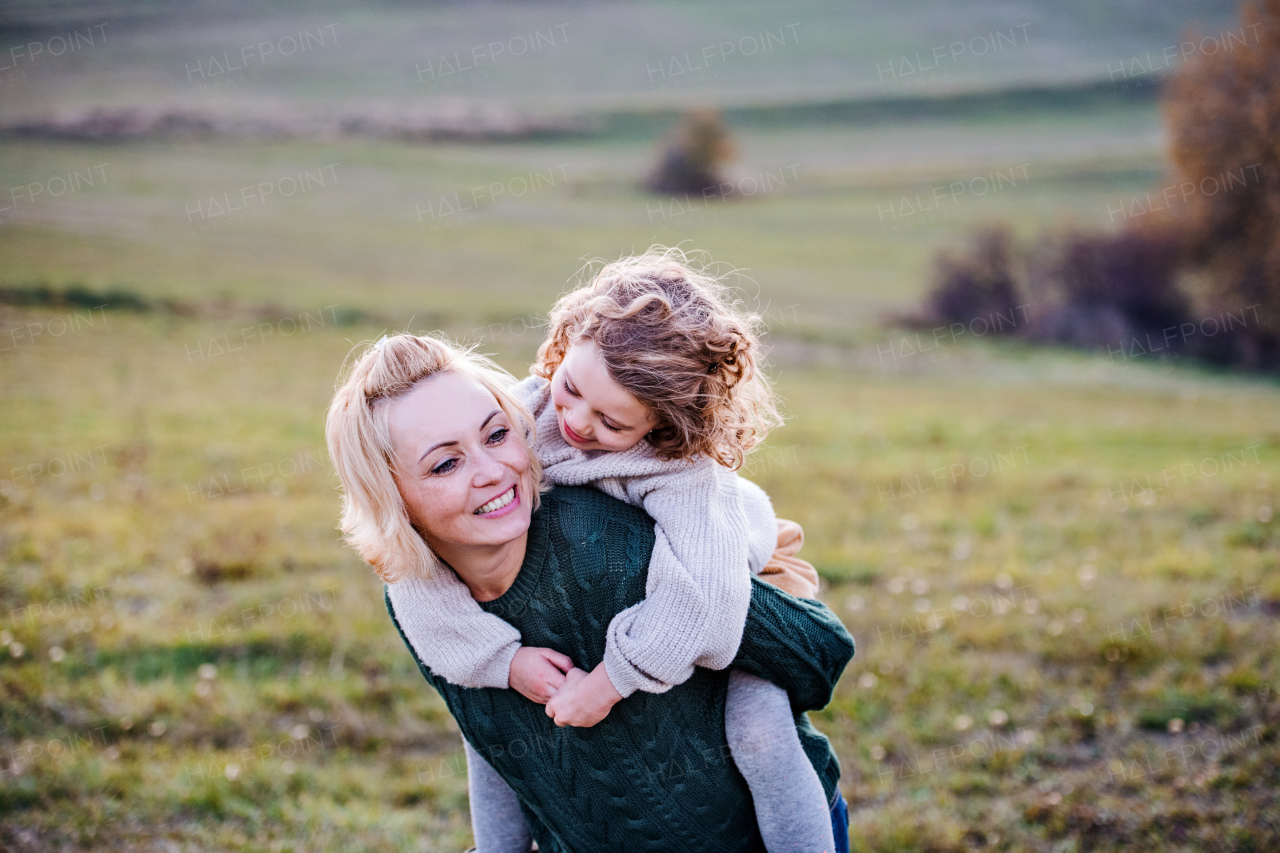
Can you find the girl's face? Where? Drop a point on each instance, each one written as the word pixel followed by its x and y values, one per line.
pixel 594 411
pixel 462 470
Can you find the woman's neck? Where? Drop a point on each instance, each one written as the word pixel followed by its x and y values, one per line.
pixel 488 571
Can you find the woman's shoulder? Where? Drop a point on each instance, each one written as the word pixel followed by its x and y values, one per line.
pixel 575 505
pixel 581 540
pixel 587 521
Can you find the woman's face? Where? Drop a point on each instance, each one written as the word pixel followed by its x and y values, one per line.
pixel 594 411
pixel 461 467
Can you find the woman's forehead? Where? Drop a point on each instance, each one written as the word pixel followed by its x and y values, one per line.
pixel 447 405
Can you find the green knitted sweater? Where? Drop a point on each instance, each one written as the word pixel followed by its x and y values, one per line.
pixel 655 775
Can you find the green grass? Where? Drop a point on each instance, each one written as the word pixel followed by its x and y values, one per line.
pixel 1060 568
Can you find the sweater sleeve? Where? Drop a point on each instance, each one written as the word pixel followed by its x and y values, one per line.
pixel 698 587
pixel 762 523
pixel 451 634
pixel 797 643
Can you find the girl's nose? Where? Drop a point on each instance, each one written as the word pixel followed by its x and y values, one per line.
pixel 571 418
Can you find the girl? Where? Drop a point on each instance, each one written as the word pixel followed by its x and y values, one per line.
pixel 648 389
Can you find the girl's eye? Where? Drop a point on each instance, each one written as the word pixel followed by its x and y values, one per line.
pixel 610 426
pixel 499 435
pixel 445 467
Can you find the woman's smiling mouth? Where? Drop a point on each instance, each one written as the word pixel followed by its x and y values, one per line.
pixel 499 503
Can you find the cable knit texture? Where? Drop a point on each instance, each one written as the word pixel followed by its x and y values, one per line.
pixel 713 528
pixel 655 775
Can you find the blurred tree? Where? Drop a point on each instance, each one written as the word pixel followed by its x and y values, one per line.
pixel 1223 112
pixel 692 155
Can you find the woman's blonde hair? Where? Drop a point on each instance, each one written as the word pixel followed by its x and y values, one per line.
pixel 671 335
pixel 375 521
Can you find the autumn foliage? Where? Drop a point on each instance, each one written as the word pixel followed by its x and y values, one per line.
pixel 1223 114
pixel 1204 279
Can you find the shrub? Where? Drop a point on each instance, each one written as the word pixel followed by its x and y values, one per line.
pixel 976 282
pixel 116 298
pixel 691 158
pixel 1105 290
pixel 1085 289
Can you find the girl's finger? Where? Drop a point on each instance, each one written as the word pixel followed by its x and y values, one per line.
pixel 562 662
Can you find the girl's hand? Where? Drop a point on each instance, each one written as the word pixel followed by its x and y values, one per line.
pixel 538 673
pixel 584 700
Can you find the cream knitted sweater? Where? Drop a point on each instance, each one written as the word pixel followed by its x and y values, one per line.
pixel 711 526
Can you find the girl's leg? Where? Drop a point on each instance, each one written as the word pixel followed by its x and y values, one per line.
pixel 791 807
pixel 496 820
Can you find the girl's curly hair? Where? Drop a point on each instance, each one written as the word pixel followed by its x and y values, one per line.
pixel 671 335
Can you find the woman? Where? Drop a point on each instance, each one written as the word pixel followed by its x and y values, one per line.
pixel 426 441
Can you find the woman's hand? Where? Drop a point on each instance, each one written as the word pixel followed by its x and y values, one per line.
pixel 584 700
pixel 538 673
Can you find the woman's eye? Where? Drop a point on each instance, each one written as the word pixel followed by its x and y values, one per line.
pixel 499 435
pixel 445 467
pixel 572 391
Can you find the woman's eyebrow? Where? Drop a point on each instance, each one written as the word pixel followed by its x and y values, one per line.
pixel 435 447
pixel 483 424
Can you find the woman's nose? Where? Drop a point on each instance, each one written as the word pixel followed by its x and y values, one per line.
pixel 488 469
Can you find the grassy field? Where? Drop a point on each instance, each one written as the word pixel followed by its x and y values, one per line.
pixel 406 230
pixel 1060 568
pixel 1037 602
